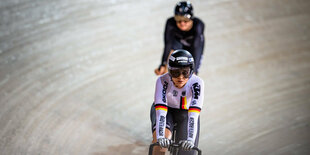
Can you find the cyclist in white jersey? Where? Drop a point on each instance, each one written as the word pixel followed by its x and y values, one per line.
pixel 178 100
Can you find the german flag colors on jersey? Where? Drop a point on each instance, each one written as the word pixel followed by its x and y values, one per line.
pixel 194 109
pixel 183 103
pixel 161 107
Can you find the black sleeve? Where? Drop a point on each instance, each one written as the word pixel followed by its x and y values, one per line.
pixel 168 40
pixel 198 44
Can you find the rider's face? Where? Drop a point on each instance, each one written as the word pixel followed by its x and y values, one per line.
pixel 180 81
pixel 180 77
pixel 183 23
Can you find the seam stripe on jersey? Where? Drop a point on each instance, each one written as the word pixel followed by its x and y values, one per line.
pixel 164 105
pixel 183 103
pixel 161 107
pixel 194 109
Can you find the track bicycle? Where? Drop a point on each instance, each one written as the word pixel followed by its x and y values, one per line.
pixel 174 147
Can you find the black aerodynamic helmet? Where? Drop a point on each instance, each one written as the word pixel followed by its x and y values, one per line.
pixel 184 8
pixel 180 59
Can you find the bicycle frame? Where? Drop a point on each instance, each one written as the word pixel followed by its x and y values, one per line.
pixel 172 145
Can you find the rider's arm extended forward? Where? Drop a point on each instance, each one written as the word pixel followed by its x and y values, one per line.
pixel 194 109
pixel 168 40
pixel 161 107
pixel 198 44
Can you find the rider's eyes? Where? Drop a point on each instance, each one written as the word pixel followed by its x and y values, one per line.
pixel 185 73
pixel 180 21
pixel 177 73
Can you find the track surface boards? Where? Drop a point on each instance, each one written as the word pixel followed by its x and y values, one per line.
pixel 76 77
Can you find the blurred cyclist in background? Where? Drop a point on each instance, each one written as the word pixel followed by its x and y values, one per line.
pixel 178 99
pixel 183 31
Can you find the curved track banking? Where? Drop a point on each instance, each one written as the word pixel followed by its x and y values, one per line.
pixel 77 77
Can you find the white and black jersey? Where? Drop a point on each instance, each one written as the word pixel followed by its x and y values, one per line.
pixel 189 98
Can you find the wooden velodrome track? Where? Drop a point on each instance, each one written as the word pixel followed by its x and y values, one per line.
pixel 76 77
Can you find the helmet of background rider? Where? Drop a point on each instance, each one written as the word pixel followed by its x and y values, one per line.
pixel 184 8
pixel 180 59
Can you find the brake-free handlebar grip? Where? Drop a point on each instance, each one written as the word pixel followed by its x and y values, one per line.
pixel 173 145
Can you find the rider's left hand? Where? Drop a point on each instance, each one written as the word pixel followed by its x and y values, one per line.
pixel 186 144
pixel 164 142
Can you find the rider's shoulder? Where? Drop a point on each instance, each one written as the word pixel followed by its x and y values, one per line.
pixel 198 20
pixel 196 79
pixel 198 23
pixel 170 18
pixel 163 78
pixel 166 77
pixel 171 22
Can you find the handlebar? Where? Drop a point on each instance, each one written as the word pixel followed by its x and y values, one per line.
pixel 172 145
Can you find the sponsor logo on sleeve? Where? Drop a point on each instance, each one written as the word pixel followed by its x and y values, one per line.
pixel 191 127
pixel 194 102
pixel 161 125
pixel 196 90
pixel 165 86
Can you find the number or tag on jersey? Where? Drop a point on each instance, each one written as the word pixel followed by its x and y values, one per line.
pixel 184 93
pixel 175 93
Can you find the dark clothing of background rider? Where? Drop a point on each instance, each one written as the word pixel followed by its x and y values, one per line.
pixel 192 40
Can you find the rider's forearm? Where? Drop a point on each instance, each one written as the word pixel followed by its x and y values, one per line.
pixel 198 50
pixel 161 112
pixel 192 126
pixel 168 41
pixel 166 53
pixel 194 110
pixel 198 44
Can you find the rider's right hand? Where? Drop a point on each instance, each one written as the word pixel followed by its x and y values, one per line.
pixel 161 70
pixel 164 142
